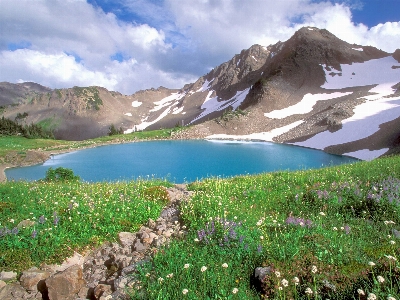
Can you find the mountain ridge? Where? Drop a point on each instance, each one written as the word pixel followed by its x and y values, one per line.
pixel 291 92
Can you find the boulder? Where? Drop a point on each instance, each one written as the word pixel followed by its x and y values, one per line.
pixel 66 284
pixel 126 238
pixel 34 280
pixel 8 276
pixel 102 290
pixel 12 291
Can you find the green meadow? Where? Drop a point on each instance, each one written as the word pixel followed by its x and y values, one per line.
pixel 331 233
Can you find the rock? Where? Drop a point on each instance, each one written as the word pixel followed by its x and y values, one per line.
pixel 151 224
pixel 258 277
pixel 126 238
pixel 25 223
pixel 2 284
pixel 66 284
pixel 34 280
pixel 102 290
pixel 12 291
pixel 139 246
pixel 8 276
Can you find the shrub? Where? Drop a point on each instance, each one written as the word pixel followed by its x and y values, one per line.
pixel 157 194
pixel 61 174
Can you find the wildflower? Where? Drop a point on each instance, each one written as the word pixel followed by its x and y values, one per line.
pixel 34 234
pixel 203 269
pixel 296 280
pixel 235 290
pixel 391 298
pixel 56 220
pixel 12 220
pixel 392 242
pixel 277 274
pixel 391 257
pixel 308 291
pixel 361 292
pixel 371 263
pixel 170 275
pixel 259 223
pixel 284 282
pixel 314 269
pixel 185 291
pixel 335 228
pixel 261 237
pixel 371 296
pixel 224 265
pixel 380 279
pixel 196 240
pixel 147 275
pixel 15 231
pixel 322 213
pixel 186 266
pixel 259 249
pixel 160 279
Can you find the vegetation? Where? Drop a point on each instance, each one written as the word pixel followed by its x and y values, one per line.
pixel 9 127
pixel 60 174
pixel 114 131
pixel 328 233
pixel 90 95
pixel 229 114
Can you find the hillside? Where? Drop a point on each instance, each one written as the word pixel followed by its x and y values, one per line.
pixel 312 90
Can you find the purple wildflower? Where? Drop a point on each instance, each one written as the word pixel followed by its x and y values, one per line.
pixel 15 230
pixel 34 234
pixel 347 229
pixel 42 219
pixel 56 220
pixel 259 249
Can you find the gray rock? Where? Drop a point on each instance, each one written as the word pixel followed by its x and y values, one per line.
pixel 2 284
pixel 66 284
pixel 139 246
pixel 126 238
pixel 34 280
pixel 25 224
pixel 102 290
pixel 12 291
pixel 8 276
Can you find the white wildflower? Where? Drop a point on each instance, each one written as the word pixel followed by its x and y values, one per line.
pixel 360 292
pixel 308 291
pixel 371 296
pixel 185 291
pixel 203 269
pixel 224 265
pixel 380 279
pixel 235 290
pixel 314 269
pixel 284 282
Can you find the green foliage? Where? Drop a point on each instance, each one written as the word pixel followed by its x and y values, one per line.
pixel 9 127
pixel 21 116
pixel 67 216
pixel 230 114
pixel 90 95
pixel 114 131
pixel 61 174
pixel 157 194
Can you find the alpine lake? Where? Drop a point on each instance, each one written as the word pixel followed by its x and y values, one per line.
pixel 181 161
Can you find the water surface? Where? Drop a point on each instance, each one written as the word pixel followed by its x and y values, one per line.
pixel 180 161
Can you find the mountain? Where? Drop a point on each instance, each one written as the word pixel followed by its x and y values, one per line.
pixel 313 90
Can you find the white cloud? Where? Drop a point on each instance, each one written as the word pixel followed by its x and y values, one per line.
pixel 170 43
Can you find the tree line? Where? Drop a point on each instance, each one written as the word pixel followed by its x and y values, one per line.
pixel 9 127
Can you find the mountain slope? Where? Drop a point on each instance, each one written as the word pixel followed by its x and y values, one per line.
pixel 312 90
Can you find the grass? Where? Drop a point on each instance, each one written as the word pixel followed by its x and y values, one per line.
pixel 18 143
pixel 327 233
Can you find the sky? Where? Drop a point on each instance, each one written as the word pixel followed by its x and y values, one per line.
pixel 131 45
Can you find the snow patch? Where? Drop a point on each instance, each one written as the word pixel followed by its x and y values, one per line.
pixel 254 58
pixel 366 121
pixel 145 124
pixel 374 71
pixel 310 28
pixel 366 154
pixel 304 106
pixel 136 103
pixel 262 136
pixel 358 49
pixel 205 86
pixel 177 110
pixel 212 104
pixel 128 114
pixel 167 101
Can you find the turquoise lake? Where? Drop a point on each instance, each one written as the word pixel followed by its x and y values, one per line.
pixel 180 161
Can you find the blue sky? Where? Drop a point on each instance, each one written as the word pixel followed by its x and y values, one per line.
pixel 128 45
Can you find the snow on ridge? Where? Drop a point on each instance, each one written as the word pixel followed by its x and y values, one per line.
pixel 205 86
pixel 146 124
pixel 211 105
pixel 254 58
pixel 136 103
pixel 358 49
pixel 128 114
pixel 262 136
pixel 366 121
pixel 304 106
pixel 374 71
pixel 177 110
pixel 167 101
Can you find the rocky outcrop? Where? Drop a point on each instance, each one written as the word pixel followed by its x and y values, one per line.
pixel 105 272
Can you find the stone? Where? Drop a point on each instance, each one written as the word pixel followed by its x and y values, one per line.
pixel 167 233
pixel 25 224
pixel 33 280
pixel 139 246
pixel 258 277
pixel 151 224
pixel 8 276
pixel 66 284
pixel 12 291
pixel 126 238
pixel 2 284
pixel 102 290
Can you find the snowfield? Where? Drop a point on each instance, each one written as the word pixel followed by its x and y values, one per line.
pixel 377 109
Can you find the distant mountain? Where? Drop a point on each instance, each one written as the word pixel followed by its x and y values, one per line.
pixel 312 90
